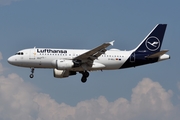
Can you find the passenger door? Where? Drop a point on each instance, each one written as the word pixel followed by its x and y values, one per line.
pixel 32 54
pixel 133 57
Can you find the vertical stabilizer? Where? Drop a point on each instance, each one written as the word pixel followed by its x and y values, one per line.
pixel 153 41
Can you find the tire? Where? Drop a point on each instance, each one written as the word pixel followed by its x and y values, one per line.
pixel 31 75
pixel 86 74
pixel 83 79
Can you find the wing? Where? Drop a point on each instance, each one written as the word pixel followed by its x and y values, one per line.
pixel 93 54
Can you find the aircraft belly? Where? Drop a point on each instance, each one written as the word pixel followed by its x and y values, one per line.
pixel 36 63
pixel 110 64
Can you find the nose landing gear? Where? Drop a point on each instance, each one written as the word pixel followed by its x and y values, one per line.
pixel 85 75
pixel 32 71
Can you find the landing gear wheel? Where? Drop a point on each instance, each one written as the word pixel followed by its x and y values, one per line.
pixel 85 75
pixel 83 79
pixel 31 75
pixel 32 71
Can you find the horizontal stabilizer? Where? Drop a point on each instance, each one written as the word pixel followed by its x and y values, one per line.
pixel 158 54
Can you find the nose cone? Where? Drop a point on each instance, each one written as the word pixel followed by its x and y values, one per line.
pixel 10 60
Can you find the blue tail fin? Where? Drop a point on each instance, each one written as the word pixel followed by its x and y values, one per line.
pixel 153 41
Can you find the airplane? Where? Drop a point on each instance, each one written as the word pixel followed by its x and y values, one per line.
pixel 68 62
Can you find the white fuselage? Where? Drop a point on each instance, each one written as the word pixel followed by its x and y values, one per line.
pixel 44 57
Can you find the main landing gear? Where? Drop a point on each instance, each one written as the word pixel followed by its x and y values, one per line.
pixel 32 71
pixel 85 75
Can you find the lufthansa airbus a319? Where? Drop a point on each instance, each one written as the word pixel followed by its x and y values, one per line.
pixel 68 62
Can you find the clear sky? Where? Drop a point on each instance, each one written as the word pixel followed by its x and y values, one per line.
pixel 148 92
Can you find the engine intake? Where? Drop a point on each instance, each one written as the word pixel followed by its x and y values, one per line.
pixel 62 73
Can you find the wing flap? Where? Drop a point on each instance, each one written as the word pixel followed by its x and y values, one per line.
pixel 158 54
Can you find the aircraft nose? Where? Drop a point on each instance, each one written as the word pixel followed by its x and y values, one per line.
pixel 10 60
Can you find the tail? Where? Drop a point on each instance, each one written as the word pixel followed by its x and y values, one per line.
pixel 153 41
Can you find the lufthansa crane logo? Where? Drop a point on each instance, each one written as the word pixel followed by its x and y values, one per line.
pixel 152 43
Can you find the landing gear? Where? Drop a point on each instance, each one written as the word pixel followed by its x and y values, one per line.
pixel 32 71
pixel 31 75
pixel 85 75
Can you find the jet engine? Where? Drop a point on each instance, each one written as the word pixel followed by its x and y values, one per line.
pixel 62 64
pixel 62 73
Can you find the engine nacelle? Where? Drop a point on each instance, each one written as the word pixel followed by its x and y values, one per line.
pixel 62 73
pixel 63 64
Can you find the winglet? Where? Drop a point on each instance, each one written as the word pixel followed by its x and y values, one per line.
pixel 111 43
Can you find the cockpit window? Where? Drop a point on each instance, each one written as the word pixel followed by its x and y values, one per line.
pixel 19 53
